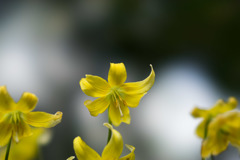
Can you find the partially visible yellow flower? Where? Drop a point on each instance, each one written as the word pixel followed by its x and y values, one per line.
pixel 115 94
pixel 28 148
pixel 207 115
pixel 223 129
pixel 15 118
pixel 112 150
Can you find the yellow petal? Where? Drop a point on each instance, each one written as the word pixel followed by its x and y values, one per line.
pixel 126 115
pixel 214 146
pixel 220 147
pixel 117 74
pixel 222 107
pixel 206 149
pixel 19 151
pixel 2 115
pixel 232 101
pixel 83 151
pixel 200 131
pixel 115 115
pixel 97 106
pixel 113 149
pixel 42 119
pixel 132 100
pixel 218 137
pixel 21 130
pixel 130 156
pixel 140 87
pixel 71 158
pixel 12 125
pixel 119 114
pixel 6 133
pixel 196 112
pixel 27 102
pixel 94 86
pixel 6 101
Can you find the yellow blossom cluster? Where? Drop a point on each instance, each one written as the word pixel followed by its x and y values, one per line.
pixel 116 96
pixel 20 124
pixel 220 126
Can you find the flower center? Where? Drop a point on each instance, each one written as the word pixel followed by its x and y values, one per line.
pixel 15 120
pixel 15 117
pixel 117 100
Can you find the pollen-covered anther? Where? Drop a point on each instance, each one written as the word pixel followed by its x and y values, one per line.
pixel 120 110
pixel 119 107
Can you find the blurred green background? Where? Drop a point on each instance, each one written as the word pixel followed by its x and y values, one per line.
pixel 46 47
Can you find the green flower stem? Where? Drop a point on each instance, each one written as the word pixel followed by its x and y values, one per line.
pixel 212 157
pixel 109 130
pixel 39 154
pixel 8 149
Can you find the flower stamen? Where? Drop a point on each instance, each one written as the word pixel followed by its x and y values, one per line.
pixel 117 99
pixel 120 110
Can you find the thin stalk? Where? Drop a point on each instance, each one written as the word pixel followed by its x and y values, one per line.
pixel 39 154
pixel 212 157
pixel 8 149
pixel 109 130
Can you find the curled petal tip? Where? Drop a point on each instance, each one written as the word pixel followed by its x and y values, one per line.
pixel 58 117
pixel 77 138
pixel 71 158
pixel 151 66
pixel 130 147
pixel 108 125
pixel 194 112
pixel 87 102
pixel 59 114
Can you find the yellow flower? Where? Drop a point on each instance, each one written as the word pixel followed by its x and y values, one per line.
pixel 15 118
pixel 112 150
pixel 28 148
pixel 207 115
pixel 223 129
pixel 115 94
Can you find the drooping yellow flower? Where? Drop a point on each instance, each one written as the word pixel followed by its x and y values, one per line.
pixel 112 150
pixel 207 115
pixel 115 94
pixel 223 129
pixel 28 148
pixel 15 118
